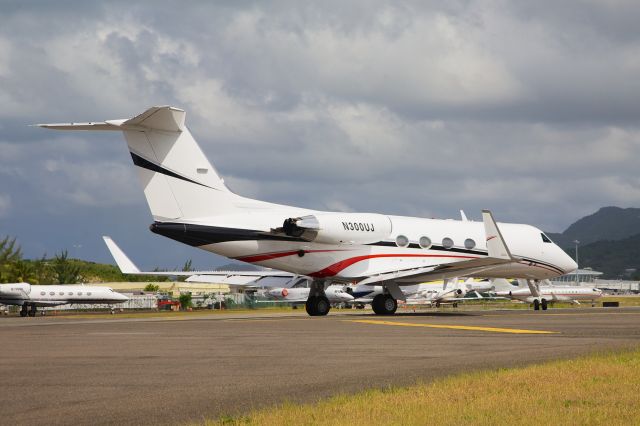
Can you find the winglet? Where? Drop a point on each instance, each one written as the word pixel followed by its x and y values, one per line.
pixel 496 245
pixel 122 260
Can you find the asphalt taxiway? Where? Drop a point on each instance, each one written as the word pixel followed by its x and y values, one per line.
pixel 168 370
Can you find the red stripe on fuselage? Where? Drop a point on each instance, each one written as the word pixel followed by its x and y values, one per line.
pixel 334 269
pixel 278 254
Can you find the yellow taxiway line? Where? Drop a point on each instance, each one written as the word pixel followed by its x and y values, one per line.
pixel 456 327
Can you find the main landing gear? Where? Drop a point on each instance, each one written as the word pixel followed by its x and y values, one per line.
pixel 540 304
pixel 317 304
pixel 26 311
pixel 384 304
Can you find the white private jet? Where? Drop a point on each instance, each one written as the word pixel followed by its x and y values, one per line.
pixel 546 293
pixel 450 291
pixel 31 296
pixel 190 203
pixel 335 294
pixel 425 292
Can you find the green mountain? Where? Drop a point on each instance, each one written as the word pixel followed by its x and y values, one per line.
pixel 613 258
pixel 607 224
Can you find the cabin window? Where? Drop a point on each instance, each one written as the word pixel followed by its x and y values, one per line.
pixel 70 293
pixel 61 293
pixel 425 242
pixel 469 244
pixel 402 241
pixel 89 294
pixel 42 293
pixel 545 238
pixel 447 242
pixel 52 293
pixel 79 293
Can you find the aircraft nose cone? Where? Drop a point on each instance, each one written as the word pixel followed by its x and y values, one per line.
pixel 568 265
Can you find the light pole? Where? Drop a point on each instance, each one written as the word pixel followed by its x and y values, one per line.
pixel 576 242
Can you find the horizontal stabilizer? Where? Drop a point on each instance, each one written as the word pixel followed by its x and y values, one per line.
pixel 80 126
pixel 163 118
pixel 166 118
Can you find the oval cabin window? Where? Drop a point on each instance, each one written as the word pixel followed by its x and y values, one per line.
pixel 425 242
pixel 402 241
pixel 447 242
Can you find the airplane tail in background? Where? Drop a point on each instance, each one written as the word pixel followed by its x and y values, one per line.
pixel 178 180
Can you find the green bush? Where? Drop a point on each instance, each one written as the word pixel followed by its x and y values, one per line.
pixel 185 300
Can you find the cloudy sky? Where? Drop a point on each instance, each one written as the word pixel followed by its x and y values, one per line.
pixel 418 108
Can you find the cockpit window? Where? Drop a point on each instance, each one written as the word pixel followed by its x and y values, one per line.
pixel 545 238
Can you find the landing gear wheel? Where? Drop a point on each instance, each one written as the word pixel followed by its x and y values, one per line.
pixel 32 311
pixel 24 311
pixel 310 306
pixel 317 306
pixel 543 304
pixel 384 304
pixel 536 305
pixel 322 305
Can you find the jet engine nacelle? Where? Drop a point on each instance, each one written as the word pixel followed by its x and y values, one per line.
pixel 340 228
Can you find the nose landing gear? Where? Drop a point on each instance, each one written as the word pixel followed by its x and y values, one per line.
pixel 540 304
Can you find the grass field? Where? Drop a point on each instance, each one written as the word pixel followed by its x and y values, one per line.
pixel 592 390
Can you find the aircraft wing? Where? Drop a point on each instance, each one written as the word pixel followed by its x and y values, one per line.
pixel 268 278
pixel 498 255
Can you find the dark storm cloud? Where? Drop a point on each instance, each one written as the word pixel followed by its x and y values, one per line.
pixel 417 108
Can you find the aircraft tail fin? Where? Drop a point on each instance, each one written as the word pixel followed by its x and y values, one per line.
pixel 125 264
pixel 178 179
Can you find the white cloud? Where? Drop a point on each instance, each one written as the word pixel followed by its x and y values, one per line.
pixel 406 108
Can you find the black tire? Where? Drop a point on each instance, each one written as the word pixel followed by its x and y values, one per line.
pixel 32 313
pixel 384 304
pixel 23 313
pixel 376 304
pixel 536 305
pixel 544 304
pixel 322 306
pixel 310 306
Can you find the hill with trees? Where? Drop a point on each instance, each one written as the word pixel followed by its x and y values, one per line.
pixel 607 224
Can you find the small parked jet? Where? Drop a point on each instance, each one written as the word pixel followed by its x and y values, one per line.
pixel 190 203
pixel 335 294
pixel 546 293
pixel 31 296
pixel 451 291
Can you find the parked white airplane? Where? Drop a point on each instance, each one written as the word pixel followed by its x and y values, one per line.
pixel 335 294
pixel 546 293
pixel 450 291
pixel 425 292
pixel 190 203
pixel 32 296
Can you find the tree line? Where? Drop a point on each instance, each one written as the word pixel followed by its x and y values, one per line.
pixel 57 270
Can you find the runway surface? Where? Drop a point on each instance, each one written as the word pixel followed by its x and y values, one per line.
pixel 172 370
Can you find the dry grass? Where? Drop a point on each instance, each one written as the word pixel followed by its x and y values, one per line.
pixel 591 390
